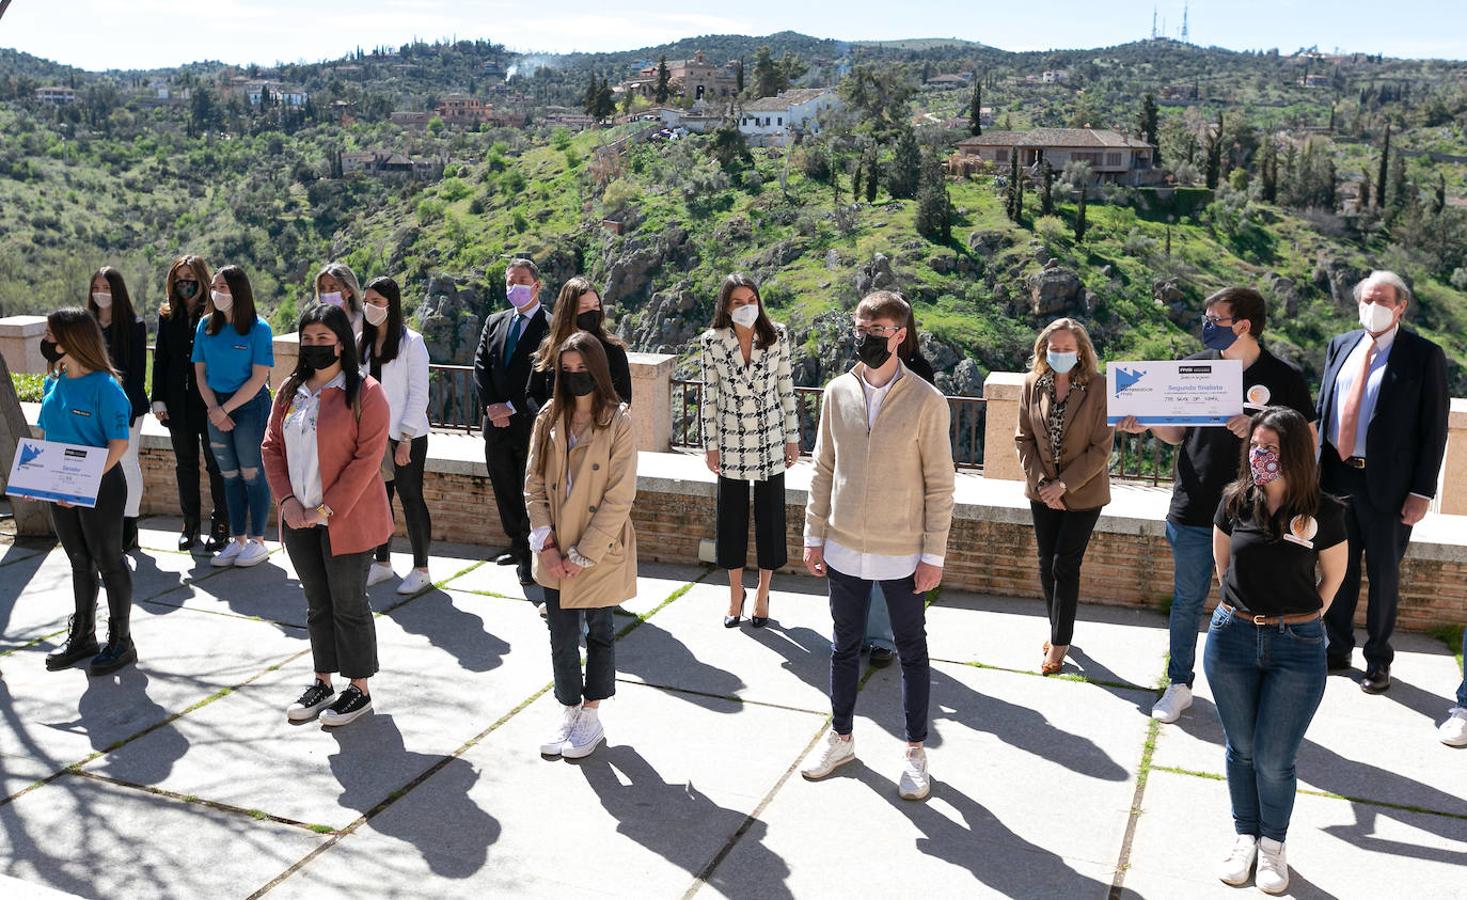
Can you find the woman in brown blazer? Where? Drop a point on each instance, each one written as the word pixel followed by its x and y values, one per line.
pixel 1064 446
pixel 580 481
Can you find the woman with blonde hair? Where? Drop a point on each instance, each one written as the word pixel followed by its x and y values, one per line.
pixel 1064 445
pixel 336 285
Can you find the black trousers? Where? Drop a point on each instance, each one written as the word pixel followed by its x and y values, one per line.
pixel 338 616
pixel 1382 537
pixel 188 441
pixel 1062 536
pixel 599 680
pixel 850 605
pixel 407 484
pixel 92 539
pixel 731 535
pixel 505 456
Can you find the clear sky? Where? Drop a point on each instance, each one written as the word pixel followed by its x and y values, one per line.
pixel 126 34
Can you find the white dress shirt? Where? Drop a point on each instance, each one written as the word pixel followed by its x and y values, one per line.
pixel 873 566
pixel 301 458
pixel 1345 382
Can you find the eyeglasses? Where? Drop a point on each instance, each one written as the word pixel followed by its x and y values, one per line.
pixel 885 331
pixel 1218 320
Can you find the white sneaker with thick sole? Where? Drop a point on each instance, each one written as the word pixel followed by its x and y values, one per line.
pixel 1273 869
pixel 585 736
pixel 378 573
pixel 1453 731
pixel 569 715
pixel 253 554
pixel 414 581
pixel 1171 705
pixel 1239 865
pixel 833 754
pixel 914 783
pixel 226 557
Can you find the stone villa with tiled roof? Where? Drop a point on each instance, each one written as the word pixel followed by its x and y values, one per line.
pixel 1112 156
pixel 775 120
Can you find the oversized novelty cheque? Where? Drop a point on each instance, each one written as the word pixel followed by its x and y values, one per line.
pixel 1201 392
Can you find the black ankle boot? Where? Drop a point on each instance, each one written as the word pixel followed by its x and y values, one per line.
pixel 218 537
pixel 118 652
pixel 130 534
pixel 189 536
pixel 81 642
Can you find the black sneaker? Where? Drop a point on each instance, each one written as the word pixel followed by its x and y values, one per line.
pixel 130 534
pixel 76 648
pixel 349 704
pixel 881 657
pixel 113 657
pixel 310 703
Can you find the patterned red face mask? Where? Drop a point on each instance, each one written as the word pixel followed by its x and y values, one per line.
pixel 1265 465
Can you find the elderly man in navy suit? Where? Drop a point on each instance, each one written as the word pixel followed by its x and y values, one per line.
pixel 1383 415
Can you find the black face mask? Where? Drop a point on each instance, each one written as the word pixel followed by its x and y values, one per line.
pixel 318 356
pixel 579 383
pixel 871 350
pixel 186 290
pixel 589 320
pixel 52 352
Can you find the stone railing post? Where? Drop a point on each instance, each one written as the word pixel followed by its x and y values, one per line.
pixel 652 399
pixel 20 343
pixel 1454 470
pixel 1001 392
pixel 287 351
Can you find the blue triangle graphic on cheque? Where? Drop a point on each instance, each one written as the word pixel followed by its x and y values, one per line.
pixel 1126 378
pixel 28 453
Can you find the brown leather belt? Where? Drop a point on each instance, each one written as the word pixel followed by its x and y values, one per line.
pixel 1293 619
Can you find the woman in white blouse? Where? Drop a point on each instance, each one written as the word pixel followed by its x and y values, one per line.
pixel 750 434
pixel 397 357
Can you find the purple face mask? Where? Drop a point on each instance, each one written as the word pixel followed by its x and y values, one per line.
pixel 1265 465
pixel 519 295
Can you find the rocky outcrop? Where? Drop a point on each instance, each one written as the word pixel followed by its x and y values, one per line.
pixel 450 318
pixel 1053 290
pixel 670 321
pixel 1287 293
pixel 1339 279
pixel 875 275
pixel 634 260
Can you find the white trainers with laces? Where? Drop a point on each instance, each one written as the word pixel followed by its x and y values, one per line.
pixel 568 717
pixel 379 573
pixel 1239 864
pixel 826 759
pixel 1453 731
pixel 414 581
pixel 914 783
pixel 251 554
pixel 1169 708
pixel 1273 869
pixel 585 736
pixel 226 557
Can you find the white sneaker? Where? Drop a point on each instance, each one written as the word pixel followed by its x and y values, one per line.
pixel 414 581
pixel 1169 708
pixel 569 715
pixel 1239 864
pixel 1453 731
pixel 379 573
pixel 1273 869
pixel 914 784
pixel 585 736
pixel 253 553
pixel 226 557
pixel 824 760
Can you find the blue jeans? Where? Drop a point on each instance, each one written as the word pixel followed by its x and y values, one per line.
pixel 878 621
pixel 1267 681
pixel 238 453
pixel 1191 580
pixel 1462 688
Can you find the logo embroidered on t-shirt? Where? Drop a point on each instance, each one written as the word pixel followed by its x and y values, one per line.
pixel 84 413
pixel 1302 530
pixel 1258 396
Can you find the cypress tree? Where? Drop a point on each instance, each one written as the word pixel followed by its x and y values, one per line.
pixel 1046 206
pixel 975 108
pixel 1383 174
pixel 906 167
pixel 1149 126
pixel 1080 223
pixel 664 80
pixel 1439 202
pixel 873 176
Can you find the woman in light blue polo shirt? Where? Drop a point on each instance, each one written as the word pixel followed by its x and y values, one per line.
pixel 233 353
pixel 85 405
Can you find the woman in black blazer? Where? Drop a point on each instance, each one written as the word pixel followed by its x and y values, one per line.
pixel 125 335
pixel 578 308
pixel 177 404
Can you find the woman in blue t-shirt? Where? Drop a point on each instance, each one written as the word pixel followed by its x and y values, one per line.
pixel 233 353
pixel 85 405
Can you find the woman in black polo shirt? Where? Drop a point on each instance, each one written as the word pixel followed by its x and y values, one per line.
pixel 1279 545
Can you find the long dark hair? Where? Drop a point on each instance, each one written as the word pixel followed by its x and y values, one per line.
pixel 335 318
pixel 1296 462
pixel 563 402
pixel 78 333
pixel 123 315
pixel 174 306
pixel 764 334
pixel 394 330
pixel 563 321
pixel 242 313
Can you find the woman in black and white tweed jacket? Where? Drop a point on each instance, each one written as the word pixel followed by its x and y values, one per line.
pixel 750 433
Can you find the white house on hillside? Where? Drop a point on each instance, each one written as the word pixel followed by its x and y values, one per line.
pixel 775 121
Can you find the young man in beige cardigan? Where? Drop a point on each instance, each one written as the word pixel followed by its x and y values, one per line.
pixel 881 503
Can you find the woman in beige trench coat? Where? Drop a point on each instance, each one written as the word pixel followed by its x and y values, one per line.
pixel 580 481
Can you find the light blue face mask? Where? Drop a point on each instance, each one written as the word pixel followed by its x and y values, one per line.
pixel 1062 363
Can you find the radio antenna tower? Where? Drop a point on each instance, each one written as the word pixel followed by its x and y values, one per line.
pixel 1184 23
pixel 1153 23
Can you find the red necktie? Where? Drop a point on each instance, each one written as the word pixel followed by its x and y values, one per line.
pixel 1350 413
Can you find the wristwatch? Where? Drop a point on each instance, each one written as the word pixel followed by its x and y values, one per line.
pixel 324 510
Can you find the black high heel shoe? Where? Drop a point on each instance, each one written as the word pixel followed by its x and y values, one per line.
pixel 733 621
pixel 761 621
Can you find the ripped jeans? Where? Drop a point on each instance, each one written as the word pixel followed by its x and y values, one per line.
pixel 238 453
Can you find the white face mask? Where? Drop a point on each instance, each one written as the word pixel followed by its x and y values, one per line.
pixel 1376 318
pixel 375 314
pixel 102 299
pixel 745 315
pixel 222 301
pixel 332 298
